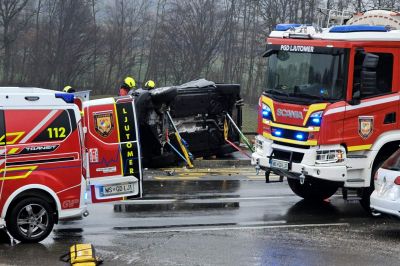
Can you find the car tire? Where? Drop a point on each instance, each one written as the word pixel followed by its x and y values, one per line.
pixel 30 220
pixel 315 190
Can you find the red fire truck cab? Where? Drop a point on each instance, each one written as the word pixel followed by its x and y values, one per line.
pixel 59 152
pixel 329 115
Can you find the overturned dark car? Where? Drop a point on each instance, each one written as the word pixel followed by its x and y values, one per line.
pixel 198 110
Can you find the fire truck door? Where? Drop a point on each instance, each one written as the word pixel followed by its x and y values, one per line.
pixel 2 150
pixel 114 163
pixel 375 82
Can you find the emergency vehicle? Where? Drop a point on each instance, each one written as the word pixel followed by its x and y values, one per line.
pixel 59 152
pixel 328 117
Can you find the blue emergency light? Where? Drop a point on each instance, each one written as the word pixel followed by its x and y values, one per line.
pixel 67 97
pixel 285 27
pixel 277 132
pixel 299 136
pixel 358 28
pixel 316 121
pixel 265 113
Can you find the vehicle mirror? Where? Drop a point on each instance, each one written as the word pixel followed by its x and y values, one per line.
pixel 356 98
pixel 269 52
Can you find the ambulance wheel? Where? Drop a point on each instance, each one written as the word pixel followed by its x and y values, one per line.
pixel 30 220
pixel 316 190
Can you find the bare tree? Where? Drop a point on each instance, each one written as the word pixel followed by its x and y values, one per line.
pixel 12 24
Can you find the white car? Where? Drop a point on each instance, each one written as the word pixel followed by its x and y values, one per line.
pixel 386 196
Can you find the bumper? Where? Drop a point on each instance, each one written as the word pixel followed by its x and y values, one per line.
pixel 332 172
pixel 72 214
pixel 384 205
pixel 2 223
pixel 98 183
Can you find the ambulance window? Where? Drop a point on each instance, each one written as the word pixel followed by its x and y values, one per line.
pixel 2 129
pixel 373 74
pixel 57 130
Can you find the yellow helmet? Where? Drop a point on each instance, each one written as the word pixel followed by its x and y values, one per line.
pixel 150 84
pixel 68 89
pixel 130 82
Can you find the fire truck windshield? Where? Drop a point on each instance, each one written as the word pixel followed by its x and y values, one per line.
pixel 306 77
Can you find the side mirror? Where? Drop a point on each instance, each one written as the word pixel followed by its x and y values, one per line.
pixel 269 52
pixel 356 98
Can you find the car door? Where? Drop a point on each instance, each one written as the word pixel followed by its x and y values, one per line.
pixel 377 110
pixel 113 150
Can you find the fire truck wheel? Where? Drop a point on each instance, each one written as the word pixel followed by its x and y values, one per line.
pixel 31 220
pixel 315 189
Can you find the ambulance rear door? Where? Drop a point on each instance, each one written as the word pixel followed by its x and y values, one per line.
pixel 113 167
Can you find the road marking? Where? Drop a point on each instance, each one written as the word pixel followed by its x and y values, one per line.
pixel 257 177
pixel 145 201
pixel 191 174
pixel 262 227
pixel 176 177
pixel 153 201
pixel 211 176
pixel 259 198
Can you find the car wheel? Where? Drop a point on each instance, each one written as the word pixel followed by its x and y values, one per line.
pixel 30 220
pixel 316 190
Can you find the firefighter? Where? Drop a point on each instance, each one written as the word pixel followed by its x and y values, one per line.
pixel 149 85
pixel 68 89
pixel 129 84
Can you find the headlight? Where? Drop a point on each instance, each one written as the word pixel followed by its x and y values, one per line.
pixel 315 119
pixel 330 156
pixel 266 112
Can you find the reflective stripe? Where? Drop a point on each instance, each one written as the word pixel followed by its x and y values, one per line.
pixel 39 126
pixel 359 147
pixel 296 128
pixel 24 172
pixel 362 105
pixel 306 143
pixel 312 109
pixel 13 150
pixel 270 104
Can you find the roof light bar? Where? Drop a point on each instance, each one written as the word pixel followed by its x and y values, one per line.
pixel 285 27
pixel 358 28
pixel 67 97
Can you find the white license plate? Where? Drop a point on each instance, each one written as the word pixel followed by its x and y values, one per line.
pixel 279 164
pixel 118 189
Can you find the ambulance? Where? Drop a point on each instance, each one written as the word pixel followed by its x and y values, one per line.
pixel 329 114
pixel 59 152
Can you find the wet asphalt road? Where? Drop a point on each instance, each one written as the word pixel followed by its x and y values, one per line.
pixel 221 218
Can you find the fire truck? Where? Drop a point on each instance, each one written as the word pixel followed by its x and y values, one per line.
pixel 60 151
pixel 328 116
